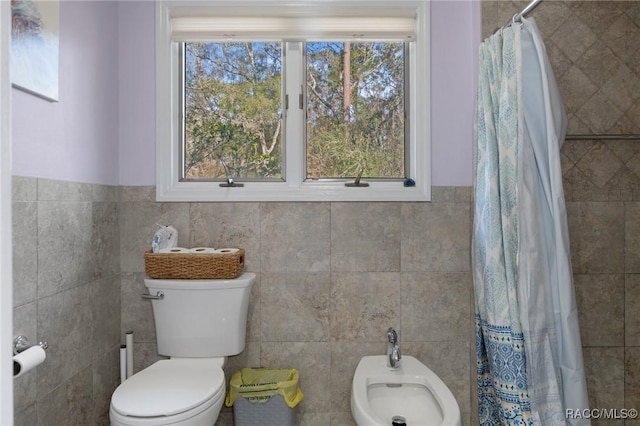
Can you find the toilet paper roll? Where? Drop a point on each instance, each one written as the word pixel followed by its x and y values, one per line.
pixel 226 250
pixel 202 250
pixel 175 250
pixel 28 359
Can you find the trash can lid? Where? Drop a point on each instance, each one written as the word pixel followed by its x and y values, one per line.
pixel 169 387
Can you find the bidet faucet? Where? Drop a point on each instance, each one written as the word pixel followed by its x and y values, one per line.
pixel 393 349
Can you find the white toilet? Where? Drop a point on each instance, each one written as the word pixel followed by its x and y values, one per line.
pixel 410 394
pixel 198 324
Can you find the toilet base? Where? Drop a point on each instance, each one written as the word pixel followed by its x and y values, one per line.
pixel 205 414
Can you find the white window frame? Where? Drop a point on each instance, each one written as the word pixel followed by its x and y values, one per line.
pixel 296 187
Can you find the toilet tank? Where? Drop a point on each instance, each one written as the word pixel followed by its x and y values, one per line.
pixel 201 318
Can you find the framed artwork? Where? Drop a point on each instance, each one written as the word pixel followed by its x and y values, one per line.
pixel 35 26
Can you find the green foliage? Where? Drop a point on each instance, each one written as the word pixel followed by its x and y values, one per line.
pixel 233 124
pixel 232 121
pixel 367 135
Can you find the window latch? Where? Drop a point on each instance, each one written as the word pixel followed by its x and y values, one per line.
pixel 231 184
pixel 356 183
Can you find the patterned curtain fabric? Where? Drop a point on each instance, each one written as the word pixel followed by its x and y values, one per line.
pixel 502 375
pixel 530 369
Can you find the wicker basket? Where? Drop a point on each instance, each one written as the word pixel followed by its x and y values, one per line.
pixel 193 266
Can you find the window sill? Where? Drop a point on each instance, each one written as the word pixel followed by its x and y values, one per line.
pixel 284 192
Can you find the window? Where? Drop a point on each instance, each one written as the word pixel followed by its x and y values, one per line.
pixel 233 111
pixel 292 101
pixel 355 110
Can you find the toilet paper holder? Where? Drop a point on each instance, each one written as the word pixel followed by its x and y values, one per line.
pixel 21 344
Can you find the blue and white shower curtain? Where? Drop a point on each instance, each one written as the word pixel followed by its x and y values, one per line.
pixel 529 354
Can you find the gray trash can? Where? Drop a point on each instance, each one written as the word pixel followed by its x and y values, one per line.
pixel 264 397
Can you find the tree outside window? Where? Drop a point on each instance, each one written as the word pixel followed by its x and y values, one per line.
pixel 355 110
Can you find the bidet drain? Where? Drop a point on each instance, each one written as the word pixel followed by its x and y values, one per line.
pixel 398 421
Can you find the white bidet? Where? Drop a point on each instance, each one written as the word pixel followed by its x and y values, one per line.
pixel 410 394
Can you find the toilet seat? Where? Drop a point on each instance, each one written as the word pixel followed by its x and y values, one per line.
pixel 170 387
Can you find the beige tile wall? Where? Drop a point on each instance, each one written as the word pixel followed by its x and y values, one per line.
pixel 332 277
pixel 594 47
pixel 67 292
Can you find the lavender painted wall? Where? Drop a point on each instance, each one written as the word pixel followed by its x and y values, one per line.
pixel 136 34
pixel 103 128
pixel 75 139
pixel 455 37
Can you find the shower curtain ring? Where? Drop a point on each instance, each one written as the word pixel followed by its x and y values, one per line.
pixel 516 18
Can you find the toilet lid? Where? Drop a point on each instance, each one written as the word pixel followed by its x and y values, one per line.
pixel 169 387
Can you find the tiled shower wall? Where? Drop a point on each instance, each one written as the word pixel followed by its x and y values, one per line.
pixel 594 48
pixel 332 277
pixel 66 292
